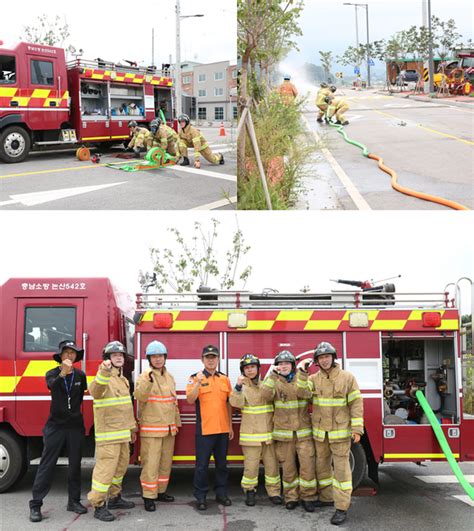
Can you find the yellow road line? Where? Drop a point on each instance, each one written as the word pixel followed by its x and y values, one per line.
pixel 469 142
pixel 125 161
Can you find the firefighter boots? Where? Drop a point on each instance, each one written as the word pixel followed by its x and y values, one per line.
pixel 184 162
pixel 163 497
pixel 119 503
pixel 221 161
pixel 103 514
pixel 308 506
pixel 250 498
pixel 35 514
pixel 339 517
pixel 149 505
pixel 318 504
pixel 276 500
pixel 223 500
pixel 291 505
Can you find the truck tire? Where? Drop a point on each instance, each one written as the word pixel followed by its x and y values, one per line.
pixel 13 463
pixel 358 462
pixel 15 144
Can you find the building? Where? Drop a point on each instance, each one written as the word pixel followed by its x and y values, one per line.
pixel 214 86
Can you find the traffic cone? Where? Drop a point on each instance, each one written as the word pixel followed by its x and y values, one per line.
pixel 222 130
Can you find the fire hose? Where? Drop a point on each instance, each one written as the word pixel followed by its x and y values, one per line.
pixel 444 445
pixel 394 177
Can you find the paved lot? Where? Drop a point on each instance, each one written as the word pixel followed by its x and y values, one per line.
pixel 57 181
pixel 429 145
pixel 409 497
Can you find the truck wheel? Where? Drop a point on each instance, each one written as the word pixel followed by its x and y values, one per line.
pixel 358 462
pixel 12 460
pixel 15 144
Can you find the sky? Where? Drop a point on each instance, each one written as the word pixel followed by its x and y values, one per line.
pixel 122 30
pixel 330 25
pixel 288 249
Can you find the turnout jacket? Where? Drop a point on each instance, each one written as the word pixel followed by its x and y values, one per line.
pixel 158 405
pixel 192 137
pixel 257 413
pixel 322 93
pixel 165 135
pixel 337 404
pixel 290 400
pixel 113 410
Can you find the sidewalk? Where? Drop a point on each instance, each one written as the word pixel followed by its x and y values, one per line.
pixel 456 101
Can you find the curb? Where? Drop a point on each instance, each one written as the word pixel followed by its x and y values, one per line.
pixel 451 103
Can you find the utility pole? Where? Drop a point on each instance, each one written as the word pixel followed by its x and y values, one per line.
pixel 153 46
pixel 177 66
pixel 430 51
pixel 357 34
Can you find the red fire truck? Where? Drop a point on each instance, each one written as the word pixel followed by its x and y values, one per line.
pixel 46 102
pixel 394 343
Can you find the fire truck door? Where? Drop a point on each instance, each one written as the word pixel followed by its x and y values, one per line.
pixel 45 100
pixel 42 323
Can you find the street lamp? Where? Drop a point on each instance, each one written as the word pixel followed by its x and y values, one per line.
pixel 357 33
pixel 178 55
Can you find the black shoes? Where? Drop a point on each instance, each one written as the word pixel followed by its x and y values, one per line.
pixel 184 162
pixel 318 504
pixel 222 158
pixel 308 506
pixel 276 500
pixel 103 514
pixel 223 500
pixel 291 505
pixel 339 517
pixel 250 498
pixel 320 120
pixel 76 507
pixel 35 514
pixel 119 503
pixel 163 497
pixel 201 505
pixel 149 505
pixel 345 123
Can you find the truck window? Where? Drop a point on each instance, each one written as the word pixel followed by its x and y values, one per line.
pixel 7 70
pixel 47 326
pixel 42 72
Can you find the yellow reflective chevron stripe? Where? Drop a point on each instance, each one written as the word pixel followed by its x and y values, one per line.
pixel 357 422
pixel 255 437
pixel 352 396
pixel 285 434
pixel 112 435
pixel 307 484
pixel 39 367
pixel 102 380
pixel 329 402
pixel 100 487
pixel 344 485
pixel 115 401
pixel 256 410
pixel 304 432
pixel 325 482
pixel 272 480
pixel 249 482
pixel 117 480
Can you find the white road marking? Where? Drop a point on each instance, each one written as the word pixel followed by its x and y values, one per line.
pixel 38 198
pixel 354 194
pixel 398 105
pixel 444 479
pixel 217 204
pixel 464 498
pixel 207 173
pixel 355 116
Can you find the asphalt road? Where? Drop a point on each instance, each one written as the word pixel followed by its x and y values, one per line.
pixel 58 181
pixel 408 497
pixel 429 145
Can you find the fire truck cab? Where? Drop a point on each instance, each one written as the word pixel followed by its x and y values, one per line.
pixel 38 313
pixel 46 102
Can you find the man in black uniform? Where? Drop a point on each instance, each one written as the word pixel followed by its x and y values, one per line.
pixel 65 426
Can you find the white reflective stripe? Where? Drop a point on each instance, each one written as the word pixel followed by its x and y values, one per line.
pixel 288 434
pixel 255 410
pixel 256 437
pixel 102 380
pixel 116 401
pixel 344 485
pixel 111 435
pixel 272 480
pixel 339 434
pixel 325 482
pixel 357 421
pixel 291 404
pixel 331 402
pixel 99 487
pixel 304 432
pixel 117 481
pixel 249 481
pixel 353 396
pixel 294 483
pixel 307 484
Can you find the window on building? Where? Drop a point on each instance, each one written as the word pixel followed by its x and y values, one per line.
pixel 7 70
pixel 42 72
pixel 201 78
pixel 235 73
pixel 202 113
pixel 218 91
pixel 218 76
pixel 47 326
pixel 202 93
pixel 234 112
pixel 186 80
pixel 218 113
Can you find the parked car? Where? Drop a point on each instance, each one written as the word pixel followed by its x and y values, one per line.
pixel 407 76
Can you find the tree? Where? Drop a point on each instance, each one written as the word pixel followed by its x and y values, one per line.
pixel 194 263
pixel 326 60
pixel 47 31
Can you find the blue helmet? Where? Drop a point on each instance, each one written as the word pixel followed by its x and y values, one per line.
pixel 155 347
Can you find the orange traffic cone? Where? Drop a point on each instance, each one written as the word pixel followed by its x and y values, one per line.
pixel 222 130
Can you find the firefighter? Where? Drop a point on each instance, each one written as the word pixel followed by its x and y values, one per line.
pixel 191 136
pixel 292 430
pixel 165 137
pixel 337 418
pixel 210 389
pixel 64 427
pixel 142 139
pixel 256 432
pixel 115 427
pixel 320 101
pixel 287 90
pixel 337 106
pixel 159 422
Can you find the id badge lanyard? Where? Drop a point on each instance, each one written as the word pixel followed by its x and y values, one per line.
pixel 69 389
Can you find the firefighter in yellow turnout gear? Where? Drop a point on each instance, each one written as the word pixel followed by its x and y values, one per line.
pixel 165 137
pixel 115 427
pixel 256 432
pixel 142 139
pixel 337 417
pixel 321 104
pixel 190 136
pixel 292 430
pixel 159 422
pixel 337 106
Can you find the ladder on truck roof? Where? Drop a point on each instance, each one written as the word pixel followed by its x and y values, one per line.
pixel 273 300
pixel 108 65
